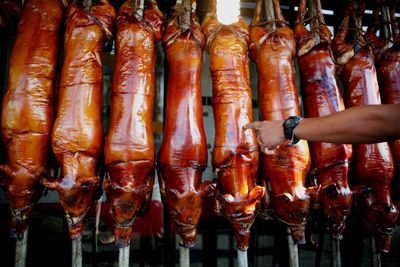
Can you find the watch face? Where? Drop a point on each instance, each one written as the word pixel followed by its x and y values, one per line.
pixel 288 128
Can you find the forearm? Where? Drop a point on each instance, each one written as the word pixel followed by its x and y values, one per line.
pixel 366 124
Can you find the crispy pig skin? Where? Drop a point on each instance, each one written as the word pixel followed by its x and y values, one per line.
pixel 27 111
pixel 372 164
pixel 183 153
pixel 284 168
pixel 129 147
pixel 235 155
pixel 77 137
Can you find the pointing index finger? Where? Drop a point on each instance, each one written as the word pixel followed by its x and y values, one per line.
pixel 253 125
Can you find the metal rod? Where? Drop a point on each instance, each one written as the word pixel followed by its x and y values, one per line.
pixel 123 259
pixel 184 256
pixel 242 258
pixel 293 251
pixel 77 252
pixel 20 250
pixel 375 256
pixel 335 253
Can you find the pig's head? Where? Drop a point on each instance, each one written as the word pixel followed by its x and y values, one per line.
pixel 241 212
pixel 185 209
pixel 129 186
pixel 379 218
pixel 76 196
pixel 23 189
pixel 293 210
pixel 336 203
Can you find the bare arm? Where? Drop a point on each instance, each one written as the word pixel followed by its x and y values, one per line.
pixel 365 124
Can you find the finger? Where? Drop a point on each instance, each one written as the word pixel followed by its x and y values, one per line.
pixel 253 125
pixel 287 142
pixel 267 151
pixel 259 140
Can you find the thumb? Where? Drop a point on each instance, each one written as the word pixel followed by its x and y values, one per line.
pixel 253 125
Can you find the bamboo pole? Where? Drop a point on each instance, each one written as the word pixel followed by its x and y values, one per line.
pixel 20 250
pixel 387 31
pixel 293 251
pixel 242 258
pixel 270 14
pixel 184 256
pixel 335 253
pixel 375 256
pixel 314 22
pixel 123 259
pixel 77 252
pixel 139 11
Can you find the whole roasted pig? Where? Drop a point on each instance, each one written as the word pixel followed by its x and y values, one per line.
pixel 183 153
pixel 77 137
pixel 129 149
pixel 235 154
pixel 388 72
pixel 284 168
pixel 27 111
pixel 372 165
pixel 321 96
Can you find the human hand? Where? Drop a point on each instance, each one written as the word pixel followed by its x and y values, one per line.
pixel 270 134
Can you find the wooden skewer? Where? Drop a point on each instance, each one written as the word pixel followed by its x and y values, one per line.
pixel 242 258
pixel 387 31
pixel 20 250
pixel 375 256
pixel 123 259
pixel 184 256
pixel 77 252
pixel 293 251
pixel 335 253
pixel 270 14
pixel 139 11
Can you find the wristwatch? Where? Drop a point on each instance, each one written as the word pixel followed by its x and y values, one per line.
pixel 288 129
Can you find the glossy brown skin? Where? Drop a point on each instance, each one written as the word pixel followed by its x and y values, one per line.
pixel 388 72
pixel 77 136
pixel 372 164
pixel 235 155
pixel 27 111
pixel 330 162
pixel 183 153
pixel 129 148
pixel 285 168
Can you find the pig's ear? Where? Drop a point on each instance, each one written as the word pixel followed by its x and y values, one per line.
pixel 285 197
pixel 227 198
pixel 53 184
pixel 172 193
pixel 207 189
pixel 256 193
pixel 314 190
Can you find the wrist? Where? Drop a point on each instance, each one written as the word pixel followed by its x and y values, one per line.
pixel 289 127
